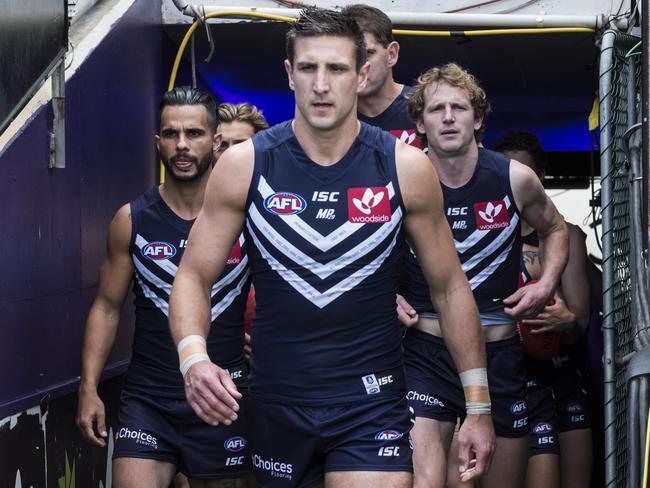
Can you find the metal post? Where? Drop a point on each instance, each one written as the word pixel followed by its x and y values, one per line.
pixel 57 136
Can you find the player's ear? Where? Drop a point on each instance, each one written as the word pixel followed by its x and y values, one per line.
pixel 393 53
pixel 289 69
pixel 419 125
pixel 363 76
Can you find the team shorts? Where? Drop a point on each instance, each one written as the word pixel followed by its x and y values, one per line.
pixel 435 391
pixel 572 400
pixel 168 430
pixel 293 446
pixel 544 436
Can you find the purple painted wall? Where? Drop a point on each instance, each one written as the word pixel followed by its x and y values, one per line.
pixel 53 222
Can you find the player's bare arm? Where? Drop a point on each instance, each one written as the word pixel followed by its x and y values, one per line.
pixel 538 210
pixel 209 389
pixel 570 313
pixel 430 236
pixel 101 325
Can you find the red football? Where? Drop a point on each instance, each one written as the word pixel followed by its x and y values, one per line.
pixel 539 346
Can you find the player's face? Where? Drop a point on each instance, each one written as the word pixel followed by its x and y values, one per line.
pixel 231 133
pixel 186 144
pixel 381 60
pixel 448 119
pixel 524 157
pixel 325 82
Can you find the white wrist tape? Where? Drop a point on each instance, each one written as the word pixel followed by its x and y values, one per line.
pixel 478 408
pixel 474 377
pixel 193 359
pixel 190 339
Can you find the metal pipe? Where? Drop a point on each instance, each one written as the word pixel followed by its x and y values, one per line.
pixel 643 420
pixel 633 437
pixel 609 333
pixel 57 136
pixel 441 19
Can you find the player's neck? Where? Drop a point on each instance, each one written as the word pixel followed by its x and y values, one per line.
pixel 375 104
pixel 185 198
pixel 326 147
pixel 455 170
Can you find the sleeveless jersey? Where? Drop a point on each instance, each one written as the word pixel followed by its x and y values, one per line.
pixel 324 245
pixel 158 239
pixel 396 120
pixel 485 224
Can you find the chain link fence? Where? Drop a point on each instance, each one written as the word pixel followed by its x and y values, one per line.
pixel 620 75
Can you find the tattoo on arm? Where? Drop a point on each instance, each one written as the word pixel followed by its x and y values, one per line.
pixel 531 257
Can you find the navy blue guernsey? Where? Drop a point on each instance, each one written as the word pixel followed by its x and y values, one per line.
pixel 396 120
pixel 485 224
pixel 324 247
pixel 158 240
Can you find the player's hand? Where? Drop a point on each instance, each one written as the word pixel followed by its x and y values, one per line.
pixel 91 418
pixel 211 393
pixel 528 301
pixel 476 443
pixel 247 347
pixel 405 313
pixel 556 317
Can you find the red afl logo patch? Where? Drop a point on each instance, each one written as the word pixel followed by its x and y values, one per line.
pixel 235 254
pixel 368 205
pixel 491 215
pixel 158 250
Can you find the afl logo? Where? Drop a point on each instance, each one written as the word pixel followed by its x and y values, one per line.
pixel 235 444
pixel 284 203
pixel 388 435
pixel 574 407
pixel 158 250
pixel 518 407
pixel 542 428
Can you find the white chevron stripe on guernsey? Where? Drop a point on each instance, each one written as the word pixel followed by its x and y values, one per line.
pixel 324 243
pixel 145 273
pixel 230 277
pixel 309 292
pixel 475 236
pixel 164 264
pixel 160 304
pixel 488 270
pixel 323 270
pixel 229 298
pixel 503 236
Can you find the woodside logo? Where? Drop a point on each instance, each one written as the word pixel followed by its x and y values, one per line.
pixel 368 205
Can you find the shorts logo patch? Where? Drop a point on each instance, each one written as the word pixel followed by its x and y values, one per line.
pixel 542 428
pixel 138 436
pixel 428 400
pixel 491 215
pixel 519 407
pixel 235 254
pixel 574 407
pixel 277 469
pixel 285 203
pixel 370 383
pixel 368 205
pixel 388 435
pixel 158 250
pixel 235 444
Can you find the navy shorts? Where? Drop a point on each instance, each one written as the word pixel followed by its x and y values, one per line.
pixel 293 446
pixel 435 391
pixel 167 429
pixel 572 401
pixel 544 438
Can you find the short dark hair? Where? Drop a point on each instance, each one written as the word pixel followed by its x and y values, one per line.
pixel 242 112
pixel 186 95
pixel 453 75
pixel 314 21
pixel 524 141
pixel 373 21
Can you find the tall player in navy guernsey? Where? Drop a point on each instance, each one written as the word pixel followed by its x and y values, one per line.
pixel 485 197
pixel 326 201
pixel 382 102
pixel 158 432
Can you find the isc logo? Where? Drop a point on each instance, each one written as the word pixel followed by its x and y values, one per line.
pixel 235 461
pixel 546 440
pixel 235 444
pixel 388 451
pixel 385 380
pixel 325 196
pixel 457 210
pixel 158 250
pixel 285 203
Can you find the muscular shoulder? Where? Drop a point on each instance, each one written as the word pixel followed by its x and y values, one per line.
pixel 416 175
pixel 232 174
pixel 525 184
pixel 119 231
